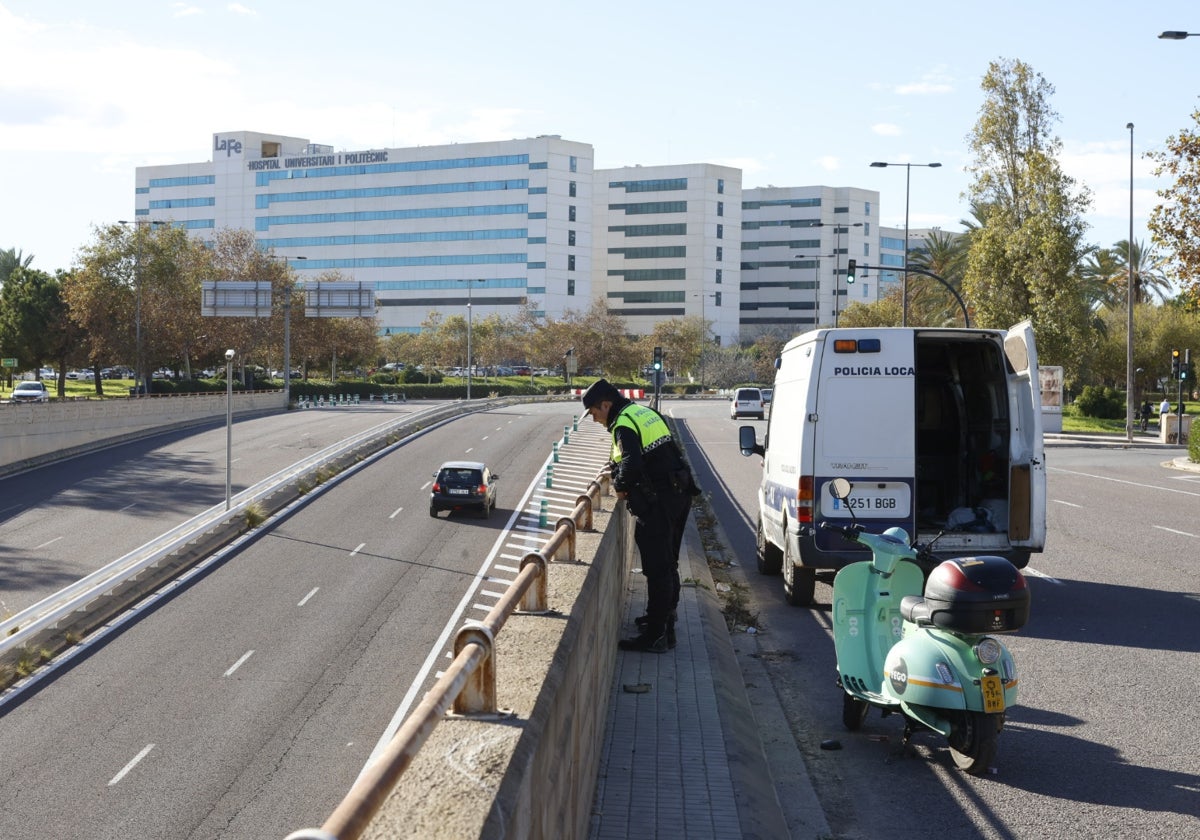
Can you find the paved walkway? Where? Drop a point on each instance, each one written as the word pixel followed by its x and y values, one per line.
pixel 682 755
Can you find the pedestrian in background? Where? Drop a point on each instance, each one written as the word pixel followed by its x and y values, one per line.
pixel 649 473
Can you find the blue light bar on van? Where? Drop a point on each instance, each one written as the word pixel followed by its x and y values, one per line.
pixel 856 345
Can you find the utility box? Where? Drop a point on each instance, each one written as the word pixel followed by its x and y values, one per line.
pixel 1169 430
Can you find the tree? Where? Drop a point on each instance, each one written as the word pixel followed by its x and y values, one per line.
pixel 34 326
pixel 10 261
pixel 1021 262
pixel 1175 222
pixel 929 302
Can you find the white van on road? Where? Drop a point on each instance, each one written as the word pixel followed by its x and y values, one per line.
pixel 939 430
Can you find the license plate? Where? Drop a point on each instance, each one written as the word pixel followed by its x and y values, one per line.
pixel 872 499
pixel 993 694
pixel 458 491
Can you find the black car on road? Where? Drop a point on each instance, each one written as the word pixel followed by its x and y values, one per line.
pixel 463 485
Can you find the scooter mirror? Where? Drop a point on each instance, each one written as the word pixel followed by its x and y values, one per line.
pixel 840 488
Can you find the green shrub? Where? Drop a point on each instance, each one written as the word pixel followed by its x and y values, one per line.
pixel 1106 403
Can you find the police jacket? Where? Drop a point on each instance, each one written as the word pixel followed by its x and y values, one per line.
pixel 644 454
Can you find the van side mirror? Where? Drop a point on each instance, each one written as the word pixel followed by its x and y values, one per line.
pixel 840 488
pixel 748 442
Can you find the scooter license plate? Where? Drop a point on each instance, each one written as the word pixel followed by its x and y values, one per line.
pixel 993 694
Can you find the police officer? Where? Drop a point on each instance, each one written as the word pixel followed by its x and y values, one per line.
pixel 650 474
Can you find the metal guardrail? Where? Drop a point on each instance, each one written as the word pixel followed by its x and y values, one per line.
pixel 468 685
pixel 23 627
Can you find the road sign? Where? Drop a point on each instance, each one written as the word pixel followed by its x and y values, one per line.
pixel 8 363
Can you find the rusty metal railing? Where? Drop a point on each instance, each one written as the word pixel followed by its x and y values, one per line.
pixel 468 685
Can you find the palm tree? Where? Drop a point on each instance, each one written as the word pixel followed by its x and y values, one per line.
pixel 10 261
pixel 1102 278
pixel 943 254
pixel 1148 275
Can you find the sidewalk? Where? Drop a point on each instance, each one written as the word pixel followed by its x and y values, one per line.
pixel 682 754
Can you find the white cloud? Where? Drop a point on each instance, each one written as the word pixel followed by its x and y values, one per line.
pixel 933 83
pixel 887 129
pixel 239 9
pixel 830 163
pixel 186 10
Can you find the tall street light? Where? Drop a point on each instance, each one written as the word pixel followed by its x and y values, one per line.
pixel 837 270
pixel 1129 290
pixel 817 275
pixel 470 362
pixel 1175 35
pixel 907 182
pixel 229 354
pixel 140 383
pixel 287 333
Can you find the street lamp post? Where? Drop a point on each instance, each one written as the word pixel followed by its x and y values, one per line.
pixel 817 277
pixel 470 362
pixel 140 384
pixel 229 354
pixel 1175 35
pixel 837 268
pixel 907 183
pixel 704 321
pixel 287 333
pixel 1129 290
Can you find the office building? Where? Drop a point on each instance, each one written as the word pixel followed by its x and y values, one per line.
pixel 433 228
pixel 666 245
pixel 796 247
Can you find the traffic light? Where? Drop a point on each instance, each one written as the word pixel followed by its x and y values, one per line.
pixel 658 358
pixel 1174 364
pixel 1185 370
pixel 850 266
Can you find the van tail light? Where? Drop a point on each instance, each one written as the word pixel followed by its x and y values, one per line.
pixel 804 500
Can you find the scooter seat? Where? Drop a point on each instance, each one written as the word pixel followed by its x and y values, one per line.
pixel 916 609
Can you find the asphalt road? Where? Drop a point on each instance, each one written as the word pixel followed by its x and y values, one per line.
pixel 244 704
pixel 1103 743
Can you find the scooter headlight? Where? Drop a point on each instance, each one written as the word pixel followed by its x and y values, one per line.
pixel 988 651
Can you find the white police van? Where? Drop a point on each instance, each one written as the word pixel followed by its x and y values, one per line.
pixel 939 430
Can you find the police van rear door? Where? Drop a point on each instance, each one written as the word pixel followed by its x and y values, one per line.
pixel 1027 457
pixel 864 430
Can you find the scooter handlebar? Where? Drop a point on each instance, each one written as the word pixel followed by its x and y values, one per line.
pixel 850 531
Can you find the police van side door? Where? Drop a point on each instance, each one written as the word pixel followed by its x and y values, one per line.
pixel 1027 457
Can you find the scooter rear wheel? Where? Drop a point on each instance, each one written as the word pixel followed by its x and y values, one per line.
pixel 973 741
pixel 854 712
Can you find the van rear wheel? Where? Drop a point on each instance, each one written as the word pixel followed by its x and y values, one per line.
pixel 799 582
pixel 768 556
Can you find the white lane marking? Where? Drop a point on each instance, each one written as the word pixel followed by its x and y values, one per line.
pixel 124 770
pixel 426 484
pixel 1173 531
pixel 307 597
pixel 470 449
pixel 1029 571
pixel 1125 481
pixel 127 507
pixel 485 437
pixel 396 511
pixel 1068 504
pixel 239 663
pixel 358 549
pixel 43 545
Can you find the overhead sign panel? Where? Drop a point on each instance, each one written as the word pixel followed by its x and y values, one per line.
pixel 236 298
pixel 340 299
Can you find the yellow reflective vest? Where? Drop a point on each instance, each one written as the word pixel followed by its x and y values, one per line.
pixel 651 429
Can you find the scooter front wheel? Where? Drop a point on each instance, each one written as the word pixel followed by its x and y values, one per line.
pixel 973 741
pixel 854 712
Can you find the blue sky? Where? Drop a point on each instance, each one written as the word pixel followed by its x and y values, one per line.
pixel 792 92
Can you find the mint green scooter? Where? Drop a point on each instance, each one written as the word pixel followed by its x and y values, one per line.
pixel 926 651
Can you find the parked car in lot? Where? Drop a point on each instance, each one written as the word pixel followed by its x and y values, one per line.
pixel 463 485
pixel 28 392
pixel 747 402
pixel 766 395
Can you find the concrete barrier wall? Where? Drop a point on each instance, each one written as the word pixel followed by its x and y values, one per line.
pixel 530 773
pixel 34 433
